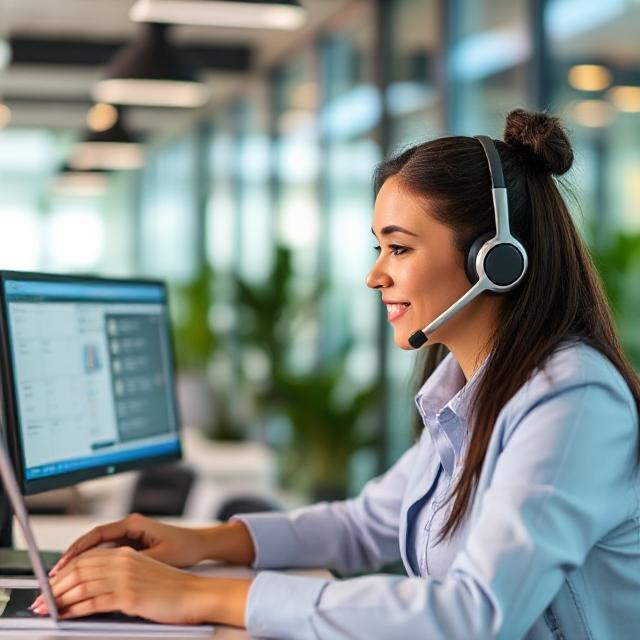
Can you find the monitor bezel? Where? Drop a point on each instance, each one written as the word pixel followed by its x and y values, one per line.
pixel 9 401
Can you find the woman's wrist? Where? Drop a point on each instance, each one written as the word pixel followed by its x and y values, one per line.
pixel 220 600
pixel 229 542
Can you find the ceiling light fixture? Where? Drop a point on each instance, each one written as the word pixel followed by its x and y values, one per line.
pixel 625 98
pixel 243 14
pixel 102 116
pixel 113 149
pixel 589 77
pixel 592 113
pixel 150 71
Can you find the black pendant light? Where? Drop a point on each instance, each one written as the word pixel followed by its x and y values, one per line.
pixel 114 148
pixel 243 14
pixel 150 71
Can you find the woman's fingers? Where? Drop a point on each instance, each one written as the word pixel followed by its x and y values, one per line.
pixel 94 565
pixel 84 591
pixel 125 580
pixel 77 575
pixel 91 565
pixel 98 535
pixel 77 593
pixel 99 604
pixel 126 529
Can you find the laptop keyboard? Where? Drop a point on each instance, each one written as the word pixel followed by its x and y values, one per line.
pixel 19 602
pixel 21 599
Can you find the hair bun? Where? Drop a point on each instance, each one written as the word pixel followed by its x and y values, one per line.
pixel 542 139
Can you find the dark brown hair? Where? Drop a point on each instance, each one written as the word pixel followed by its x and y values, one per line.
pixel 561 297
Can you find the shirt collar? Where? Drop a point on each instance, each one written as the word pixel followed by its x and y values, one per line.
pixel 443 402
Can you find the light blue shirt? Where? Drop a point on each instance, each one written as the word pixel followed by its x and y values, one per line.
pixel 445 418
pixel 550 548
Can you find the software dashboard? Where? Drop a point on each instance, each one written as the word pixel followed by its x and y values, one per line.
pixel 92 372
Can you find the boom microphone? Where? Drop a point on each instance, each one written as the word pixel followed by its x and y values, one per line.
pixel 417 339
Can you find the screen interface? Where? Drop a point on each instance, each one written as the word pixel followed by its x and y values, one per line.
pixel 93 374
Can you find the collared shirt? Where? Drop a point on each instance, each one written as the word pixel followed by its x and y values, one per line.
pixel 550 549
pixel 443 403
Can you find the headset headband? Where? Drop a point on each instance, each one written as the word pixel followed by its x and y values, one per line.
pixel 495 164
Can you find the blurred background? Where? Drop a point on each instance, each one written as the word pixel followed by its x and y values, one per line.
pixel 228 148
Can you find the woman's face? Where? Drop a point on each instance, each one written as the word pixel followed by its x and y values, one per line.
pixel 418 271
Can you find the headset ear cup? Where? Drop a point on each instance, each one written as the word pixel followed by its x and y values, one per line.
pixel 472 255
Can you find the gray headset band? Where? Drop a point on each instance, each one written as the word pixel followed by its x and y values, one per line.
pixel 493 158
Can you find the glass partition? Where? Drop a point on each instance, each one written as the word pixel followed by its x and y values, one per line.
pixel 487 63
pixel 414 96
pixel 168 212
pixel 595 85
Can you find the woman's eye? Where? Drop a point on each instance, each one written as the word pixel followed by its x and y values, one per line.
pixel 394 249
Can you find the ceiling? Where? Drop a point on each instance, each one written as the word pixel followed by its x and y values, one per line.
pixel 47 86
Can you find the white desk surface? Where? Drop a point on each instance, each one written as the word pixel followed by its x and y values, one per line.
pixel 56 533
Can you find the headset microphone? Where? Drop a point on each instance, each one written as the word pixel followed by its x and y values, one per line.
pixel 494 263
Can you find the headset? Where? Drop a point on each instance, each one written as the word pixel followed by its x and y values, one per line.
pixel 495 263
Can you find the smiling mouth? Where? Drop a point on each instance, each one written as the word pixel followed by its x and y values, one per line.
pixel 396 310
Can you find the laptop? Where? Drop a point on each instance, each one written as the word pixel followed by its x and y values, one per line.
pixel 15 602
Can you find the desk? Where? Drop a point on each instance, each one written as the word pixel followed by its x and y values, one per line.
pixel 58 532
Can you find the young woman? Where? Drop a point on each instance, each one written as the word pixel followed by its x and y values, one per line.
pixel 516 513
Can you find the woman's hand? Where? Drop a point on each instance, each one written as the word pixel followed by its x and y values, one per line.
pixel 102 580
pixel 176 546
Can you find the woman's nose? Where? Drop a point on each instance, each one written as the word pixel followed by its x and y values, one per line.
pixel 377 279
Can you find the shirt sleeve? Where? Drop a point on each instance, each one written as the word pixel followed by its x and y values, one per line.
pixel 555 490
pixel 360 534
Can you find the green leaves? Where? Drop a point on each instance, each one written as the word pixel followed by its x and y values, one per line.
pixel 619 267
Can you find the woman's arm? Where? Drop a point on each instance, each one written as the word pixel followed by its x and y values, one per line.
pixel 356 535
pixel 176 546
pixel 360 532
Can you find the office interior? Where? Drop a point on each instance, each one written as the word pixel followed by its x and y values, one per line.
pixel 247 188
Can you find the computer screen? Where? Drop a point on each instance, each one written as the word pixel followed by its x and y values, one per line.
pixel 88 378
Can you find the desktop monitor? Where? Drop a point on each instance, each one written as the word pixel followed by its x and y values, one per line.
pixel 87 377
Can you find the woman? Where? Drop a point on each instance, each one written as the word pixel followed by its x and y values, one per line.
pixel 516 513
